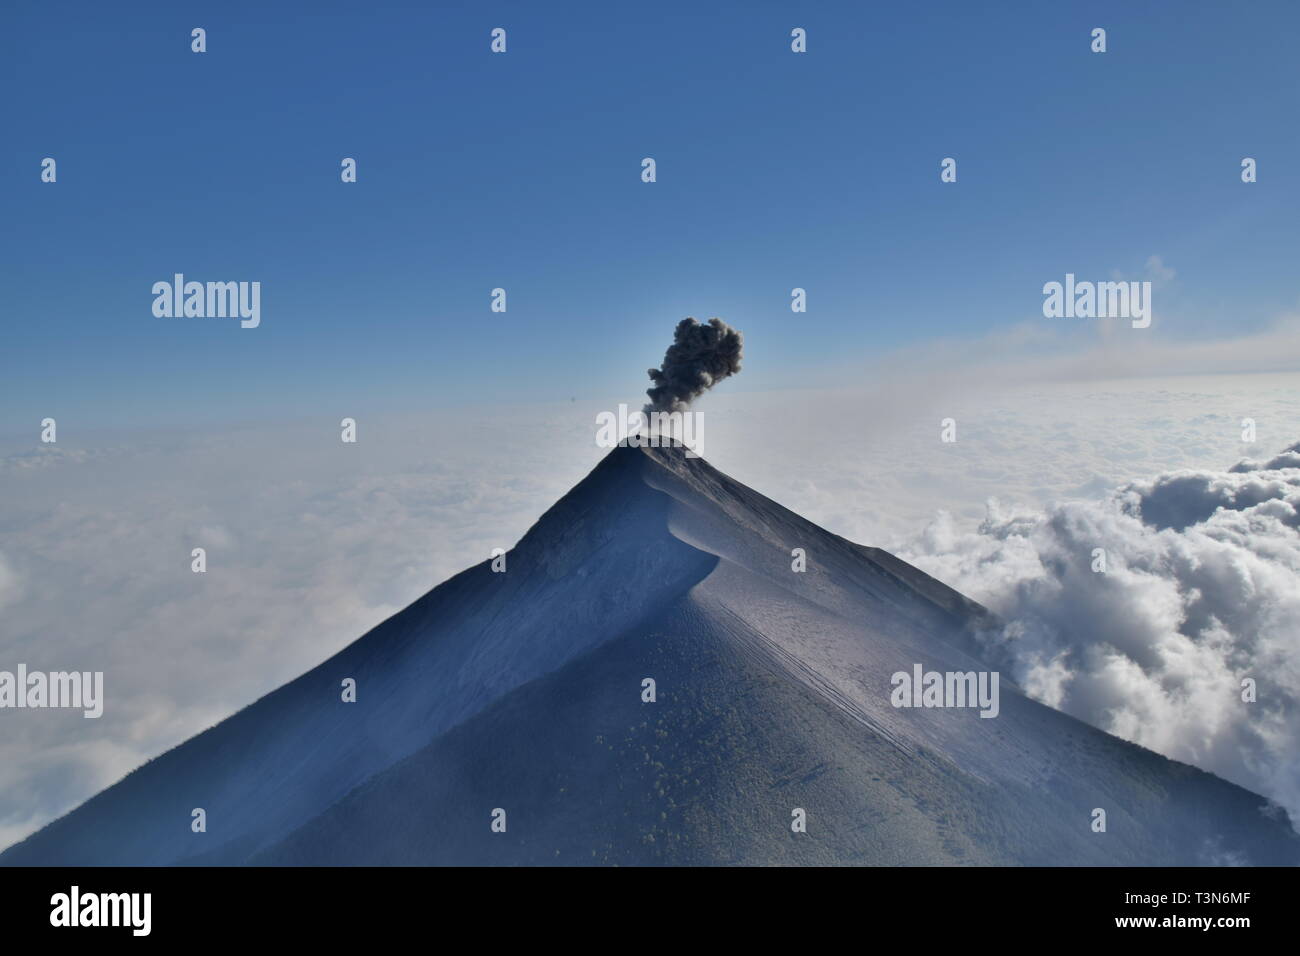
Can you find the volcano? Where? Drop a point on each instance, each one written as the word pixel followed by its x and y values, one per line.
pixel 671 669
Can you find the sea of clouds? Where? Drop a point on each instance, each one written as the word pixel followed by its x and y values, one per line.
pixel 311 542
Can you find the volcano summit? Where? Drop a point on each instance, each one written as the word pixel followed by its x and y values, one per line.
pixel 503 718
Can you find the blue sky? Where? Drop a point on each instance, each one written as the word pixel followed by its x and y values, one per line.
pixel 522 170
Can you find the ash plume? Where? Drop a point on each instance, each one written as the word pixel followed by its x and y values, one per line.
pixel 700 357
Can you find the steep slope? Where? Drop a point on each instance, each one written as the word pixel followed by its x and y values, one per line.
pixel 522 691
pixel 712 771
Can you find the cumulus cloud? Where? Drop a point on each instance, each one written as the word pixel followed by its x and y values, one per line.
pixel 1289 458
pixel 1200 592
pixel 1157 271
pixel 1185 498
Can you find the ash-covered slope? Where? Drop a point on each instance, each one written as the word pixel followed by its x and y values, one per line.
pixel 522 692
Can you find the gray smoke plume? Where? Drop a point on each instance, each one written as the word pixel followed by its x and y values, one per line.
pixel 699 358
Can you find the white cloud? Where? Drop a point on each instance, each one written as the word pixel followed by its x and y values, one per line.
pixel 1157 271
pixel 1201 591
